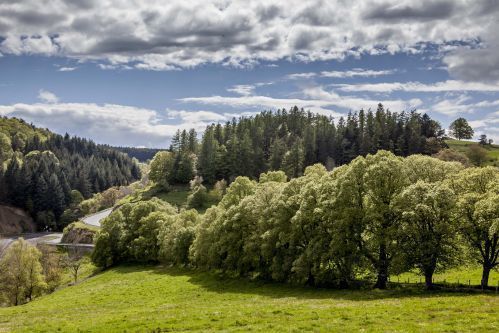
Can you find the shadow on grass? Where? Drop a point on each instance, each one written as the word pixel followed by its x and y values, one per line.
pixel 224 283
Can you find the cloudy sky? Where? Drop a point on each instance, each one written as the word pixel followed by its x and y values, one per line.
pixel 127 72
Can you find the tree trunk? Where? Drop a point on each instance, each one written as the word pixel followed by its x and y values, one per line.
pixel 382 268
pixel 485 276
pixel 428 279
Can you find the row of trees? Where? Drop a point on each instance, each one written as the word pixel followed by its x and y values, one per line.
pixel 38 173
pixel 378 215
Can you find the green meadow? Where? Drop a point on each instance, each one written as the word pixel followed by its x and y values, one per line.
pixel 159 299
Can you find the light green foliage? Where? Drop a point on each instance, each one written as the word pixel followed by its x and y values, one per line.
pixel 161 168
pixel 198 195
pixel 384 179
pixel 218 191
pixel 21 274
pixel 240 188
pixel 428 169
pixel 380 214
pixel 273 176
pixel 428 232
pixel 478 213
pixel 130 233
pixel 5 150
pixel 176 235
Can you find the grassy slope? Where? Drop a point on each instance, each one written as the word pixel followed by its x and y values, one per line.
pixel 176 196
pixel 135 298
pixel 462 147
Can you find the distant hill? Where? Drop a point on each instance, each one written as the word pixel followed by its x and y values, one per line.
pixel 45 173
pixel 141 154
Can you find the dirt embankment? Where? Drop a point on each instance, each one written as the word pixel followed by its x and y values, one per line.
pixel 78 233
pixel 15 221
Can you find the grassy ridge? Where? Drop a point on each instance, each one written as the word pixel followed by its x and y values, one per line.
pixel 146 298
pixel 463 146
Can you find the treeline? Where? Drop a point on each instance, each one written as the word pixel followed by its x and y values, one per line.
pixel 44 174
pixel 376 216
pixel 141 154
pixel 290 140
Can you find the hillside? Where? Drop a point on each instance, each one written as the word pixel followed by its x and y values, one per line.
pixel 146 298
pixel 14 220
pixel 462 146
pixel 45 173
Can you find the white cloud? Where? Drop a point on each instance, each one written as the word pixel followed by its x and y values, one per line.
pixel 47 96
pixel 488 125
pixel 113 124
pixel 242 89
pixel 316 99
pixel 159 35
pixel 356 72
pixel 67 69
pixel 444 86
pixel 296 76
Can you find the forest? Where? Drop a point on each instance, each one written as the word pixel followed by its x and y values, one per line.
pixel 291 140
pixel 43 172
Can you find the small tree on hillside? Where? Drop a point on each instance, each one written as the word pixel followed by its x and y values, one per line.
pixel 460 129
pixel 477 154
pixel 21 274
pixel 74 260
pixel 483 140
pixel 198 195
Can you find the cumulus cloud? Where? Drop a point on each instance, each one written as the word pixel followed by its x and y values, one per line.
pixel 488 125
pixel 480 63
pixel 415 11
pixel 113 124
pixel 159 35
pixel 47 96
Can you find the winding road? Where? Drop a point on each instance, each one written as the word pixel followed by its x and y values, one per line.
pixel 96 218
pixel 53 238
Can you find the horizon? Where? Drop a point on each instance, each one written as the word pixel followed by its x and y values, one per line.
pixel 127 76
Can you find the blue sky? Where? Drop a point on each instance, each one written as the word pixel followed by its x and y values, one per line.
pixel 132 76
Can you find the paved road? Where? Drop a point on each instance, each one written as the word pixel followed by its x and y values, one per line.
pixel 54 238
pixel 51 238
pixel 95 219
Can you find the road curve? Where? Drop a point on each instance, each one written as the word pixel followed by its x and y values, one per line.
pixel 96 218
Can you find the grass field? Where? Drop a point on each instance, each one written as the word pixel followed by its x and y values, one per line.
pixel 156 299
pixel 463 145
pixel 463 275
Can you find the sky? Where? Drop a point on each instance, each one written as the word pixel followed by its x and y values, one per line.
pixel 130 73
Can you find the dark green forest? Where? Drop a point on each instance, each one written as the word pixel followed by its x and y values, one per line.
pixel 291 140
pixel 43 172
